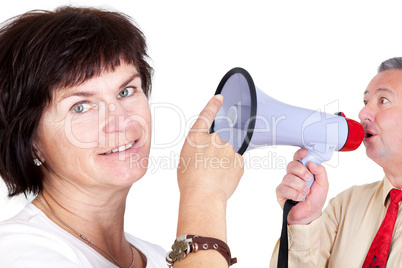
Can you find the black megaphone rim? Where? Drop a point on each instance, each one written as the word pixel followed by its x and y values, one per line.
pixel 253 109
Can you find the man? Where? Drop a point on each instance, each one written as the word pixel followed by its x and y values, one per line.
pixel 342 234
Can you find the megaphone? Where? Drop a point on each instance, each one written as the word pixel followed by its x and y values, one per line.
pixel 249 118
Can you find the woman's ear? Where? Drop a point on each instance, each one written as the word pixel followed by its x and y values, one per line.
pixel 38 157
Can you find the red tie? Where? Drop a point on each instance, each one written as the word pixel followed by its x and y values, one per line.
pixel 378 253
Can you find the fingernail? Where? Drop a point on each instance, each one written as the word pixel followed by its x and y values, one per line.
pixel 300 197
pixel 306 190
pixel 219 97
pixel 308 177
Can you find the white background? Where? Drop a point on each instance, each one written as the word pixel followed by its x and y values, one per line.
pixel 312 54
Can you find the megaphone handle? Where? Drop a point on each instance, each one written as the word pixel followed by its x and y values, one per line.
pixel 310 158
pixel 289 204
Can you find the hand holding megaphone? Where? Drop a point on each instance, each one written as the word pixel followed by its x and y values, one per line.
pixel 293 186
pixel 249 118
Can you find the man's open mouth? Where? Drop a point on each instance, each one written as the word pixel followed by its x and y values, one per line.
pixel 368 135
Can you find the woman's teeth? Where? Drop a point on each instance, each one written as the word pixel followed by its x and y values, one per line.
pixel 121 148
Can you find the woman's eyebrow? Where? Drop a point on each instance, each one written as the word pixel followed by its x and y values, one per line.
pixel 90 94
pixel 77 93
pixel 131 78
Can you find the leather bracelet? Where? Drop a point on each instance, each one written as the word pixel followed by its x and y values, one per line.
pixel 186 244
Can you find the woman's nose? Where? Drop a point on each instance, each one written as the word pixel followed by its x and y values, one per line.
pixel 117 119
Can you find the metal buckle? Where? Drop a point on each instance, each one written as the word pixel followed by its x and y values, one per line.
pixel 180 249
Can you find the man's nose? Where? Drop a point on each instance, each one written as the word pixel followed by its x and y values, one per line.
pixel 367 113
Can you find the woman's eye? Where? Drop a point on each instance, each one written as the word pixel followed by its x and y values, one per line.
pixel 125 92
pixel 81 107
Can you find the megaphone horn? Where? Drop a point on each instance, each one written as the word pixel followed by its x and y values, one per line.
pixel 249 118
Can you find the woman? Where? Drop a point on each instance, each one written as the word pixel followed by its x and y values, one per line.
pixel 75 128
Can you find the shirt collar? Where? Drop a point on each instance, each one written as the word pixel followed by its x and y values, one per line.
pixel 387 187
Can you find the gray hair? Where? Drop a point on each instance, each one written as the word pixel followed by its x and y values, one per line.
pixel 393 63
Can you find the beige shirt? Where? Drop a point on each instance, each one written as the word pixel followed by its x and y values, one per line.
pixel 342 236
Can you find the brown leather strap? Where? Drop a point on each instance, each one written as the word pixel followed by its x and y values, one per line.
pixel 204 243
pixel 186 244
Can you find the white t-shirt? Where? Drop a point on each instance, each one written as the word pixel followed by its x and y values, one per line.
pixel 31 239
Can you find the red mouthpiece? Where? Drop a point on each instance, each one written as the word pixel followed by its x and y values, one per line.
pixel 355 135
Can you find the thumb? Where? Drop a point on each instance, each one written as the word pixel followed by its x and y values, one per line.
pixel 207 115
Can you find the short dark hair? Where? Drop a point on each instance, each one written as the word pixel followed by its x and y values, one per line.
pixel 41 51
pixel 390 64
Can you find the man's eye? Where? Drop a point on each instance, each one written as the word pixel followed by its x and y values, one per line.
pixel 81 107
pixel 383 100
pixel 125 92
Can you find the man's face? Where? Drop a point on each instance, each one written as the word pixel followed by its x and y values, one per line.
pixel 382 118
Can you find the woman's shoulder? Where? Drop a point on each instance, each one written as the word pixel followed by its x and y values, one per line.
pixel 28 221
pixel 29 240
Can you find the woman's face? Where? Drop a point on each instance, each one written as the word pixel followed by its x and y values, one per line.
pixel 97 134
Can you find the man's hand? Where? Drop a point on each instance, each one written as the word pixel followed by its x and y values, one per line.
pixel 293 187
